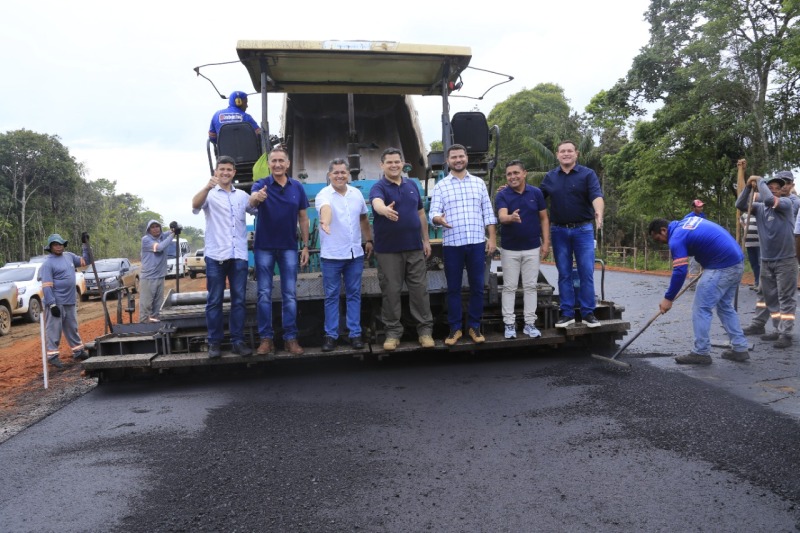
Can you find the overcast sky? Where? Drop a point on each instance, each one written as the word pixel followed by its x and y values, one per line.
pixel 115 81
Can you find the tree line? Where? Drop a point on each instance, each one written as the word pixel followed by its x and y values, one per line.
pixel 43 191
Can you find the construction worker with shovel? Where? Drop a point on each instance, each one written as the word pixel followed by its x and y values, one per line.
pixel 723 265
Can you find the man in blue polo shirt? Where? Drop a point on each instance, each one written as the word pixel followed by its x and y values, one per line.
pixel 401 246
pixel 524 240
pixel 234 113
pixel 281 204
pixel 723 265
pixel 576 201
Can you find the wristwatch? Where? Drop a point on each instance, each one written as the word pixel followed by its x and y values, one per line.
pixel 369 241
pixel 305 245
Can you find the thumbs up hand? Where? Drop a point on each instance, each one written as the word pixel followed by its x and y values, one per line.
pixel 515 217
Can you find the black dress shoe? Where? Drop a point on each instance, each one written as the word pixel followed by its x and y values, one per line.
pixel 240 348
pixel 328 344
pixel 357 343
pixel 214 351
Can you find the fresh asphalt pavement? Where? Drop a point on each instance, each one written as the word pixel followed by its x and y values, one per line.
pixel 553 441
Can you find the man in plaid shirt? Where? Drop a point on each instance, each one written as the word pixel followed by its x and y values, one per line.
pixel 461 206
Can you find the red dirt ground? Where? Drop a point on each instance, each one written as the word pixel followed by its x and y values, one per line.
pixel 21 376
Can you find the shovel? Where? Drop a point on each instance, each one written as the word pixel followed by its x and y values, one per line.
pixel 613 359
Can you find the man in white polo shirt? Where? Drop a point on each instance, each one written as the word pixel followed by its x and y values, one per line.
pixel 343 221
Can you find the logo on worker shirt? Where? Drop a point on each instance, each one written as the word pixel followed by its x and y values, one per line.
pixel 227 118
pixel 691 223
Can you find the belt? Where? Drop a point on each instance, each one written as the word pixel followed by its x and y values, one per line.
pixel 573 224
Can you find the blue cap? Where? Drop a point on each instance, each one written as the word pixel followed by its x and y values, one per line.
pixel 237 98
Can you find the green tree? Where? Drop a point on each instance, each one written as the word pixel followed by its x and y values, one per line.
pixel 715 65
pixel 194 236
pixel 40 178
pixel 532 122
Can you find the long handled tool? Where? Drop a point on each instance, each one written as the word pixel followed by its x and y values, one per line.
pixel 744 242
pixel 613 359
pixel 44 351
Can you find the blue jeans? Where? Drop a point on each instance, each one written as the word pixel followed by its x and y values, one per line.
pixel 235 271
pixel 754 256
pixel 716 289
pixel 265 268
pixel 577 242
pixel 333 270
pixel 473 257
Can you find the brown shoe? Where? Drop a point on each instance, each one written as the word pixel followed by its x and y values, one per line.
pixel 293 347
pixel 266 347
pixel 476 336
pixel 426 341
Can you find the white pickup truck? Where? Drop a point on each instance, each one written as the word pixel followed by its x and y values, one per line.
pixel 196 263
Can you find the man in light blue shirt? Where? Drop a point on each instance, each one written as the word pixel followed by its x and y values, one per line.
pixel 461 206
pixel 224 207
pixel 343 221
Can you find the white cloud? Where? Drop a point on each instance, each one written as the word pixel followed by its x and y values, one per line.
pixel 116 82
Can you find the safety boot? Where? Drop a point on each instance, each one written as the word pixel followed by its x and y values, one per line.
pixel 693 359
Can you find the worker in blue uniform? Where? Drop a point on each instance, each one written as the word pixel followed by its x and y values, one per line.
pixel 234 113
pixel 723 265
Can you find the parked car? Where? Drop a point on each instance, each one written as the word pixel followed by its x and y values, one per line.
pixel 172 256
pixel 9 297
pixel 196 263
pixel 113 273
pixel 29 288
pixel 28 278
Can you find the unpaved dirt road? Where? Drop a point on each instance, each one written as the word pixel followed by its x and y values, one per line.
pixel 23 399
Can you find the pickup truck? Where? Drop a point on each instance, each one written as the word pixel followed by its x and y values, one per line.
pixel 113 273
pixel 8 304
pixel 28 279
pixel 196 263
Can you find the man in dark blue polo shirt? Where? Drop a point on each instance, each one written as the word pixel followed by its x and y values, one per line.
pixel 281 202
pixel 524 240
pixel 575 202
pixel 401 246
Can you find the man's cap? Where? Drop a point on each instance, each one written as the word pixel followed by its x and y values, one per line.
pixel 55 237
pixel 786 176
pixel 779 180
pixel 697 203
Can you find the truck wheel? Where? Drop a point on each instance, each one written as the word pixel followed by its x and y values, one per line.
pixel 34 310
pixel 5 320
pixel 193 274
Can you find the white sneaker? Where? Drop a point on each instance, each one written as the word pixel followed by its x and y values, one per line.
pixel 531 331
pixel 511 331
